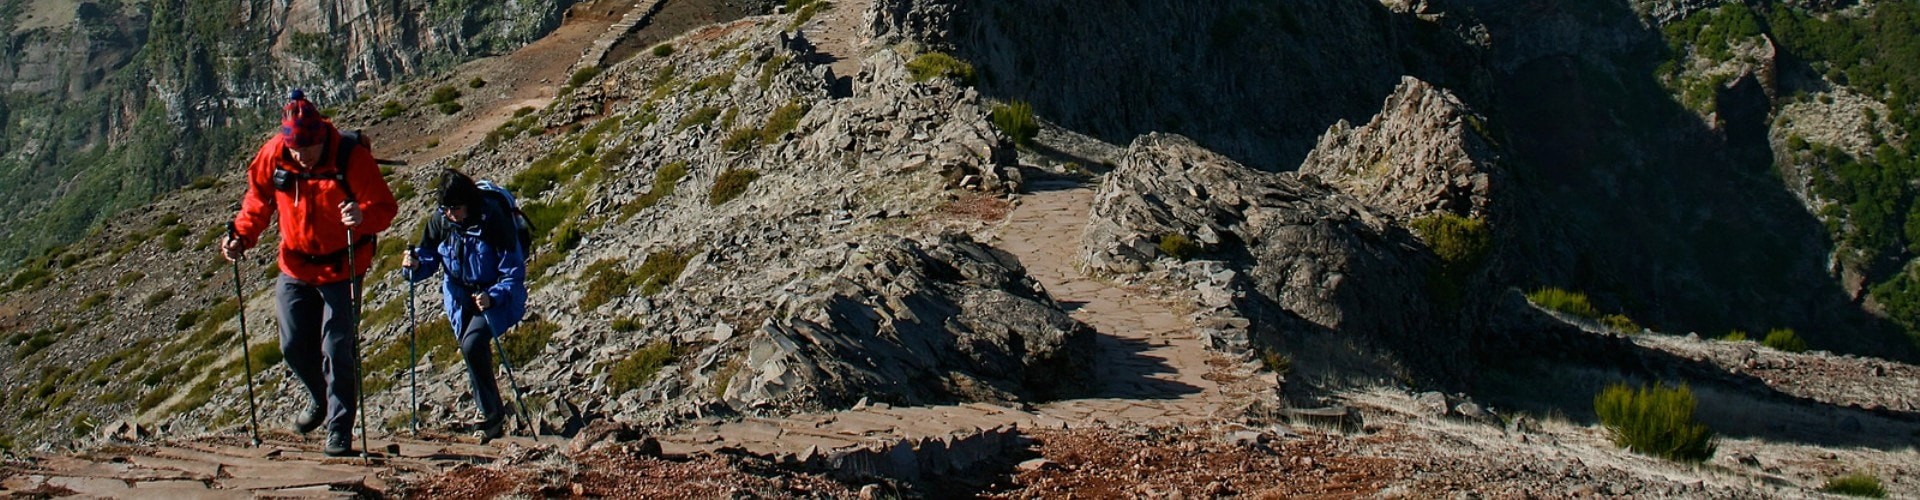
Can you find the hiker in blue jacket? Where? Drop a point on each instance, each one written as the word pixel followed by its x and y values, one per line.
pixel 474 242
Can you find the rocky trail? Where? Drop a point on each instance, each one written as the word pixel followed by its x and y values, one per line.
pixel 1151 369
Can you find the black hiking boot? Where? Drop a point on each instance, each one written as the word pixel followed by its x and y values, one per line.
pixel 492 428
pixel 310 421
pixel 339 444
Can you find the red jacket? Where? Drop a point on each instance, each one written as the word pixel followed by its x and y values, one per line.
pixel 313 242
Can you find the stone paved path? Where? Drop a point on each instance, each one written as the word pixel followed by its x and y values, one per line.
pixel 1152 369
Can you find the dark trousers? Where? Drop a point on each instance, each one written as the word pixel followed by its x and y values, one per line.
pixel 317 338
pixel 475 347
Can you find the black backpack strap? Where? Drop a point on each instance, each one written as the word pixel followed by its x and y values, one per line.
pixel 343 156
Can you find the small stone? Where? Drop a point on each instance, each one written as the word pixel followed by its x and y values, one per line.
pixel 1431 403
pixel 1037 464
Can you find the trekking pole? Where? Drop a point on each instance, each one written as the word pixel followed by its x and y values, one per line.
pixel 246 355
pixel 519 399
pixel 359 376
pixel 413 356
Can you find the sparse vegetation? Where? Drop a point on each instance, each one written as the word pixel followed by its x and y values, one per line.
pixel 443 94
pixel 1620 323
pixel 94 300
pixel 1784 339
pixel 448 108
pixel 804 10
pixel 1574 303
pixel 663 50
pixel 157 298
pixel 639 367
pixel 1656 421
pixel 1461 243
pixel 664 182
pixel 605 282
pixel 628 324
pixel 769 69
pixel 1735 336
pixel 476 82
pixel 1858 485
pixel 1016 120
pixel 718 81
pixel 931 65
pixel 730 184
pixel 659 270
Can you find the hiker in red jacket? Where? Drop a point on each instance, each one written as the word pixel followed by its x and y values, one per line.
pixel 324 191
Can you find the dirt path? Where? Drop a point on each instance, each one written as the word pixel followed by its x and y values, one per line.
pixel 835 32
pixel 1147 350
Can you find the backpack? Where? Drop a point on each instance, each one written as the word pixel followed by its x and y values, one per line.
pixel 500 197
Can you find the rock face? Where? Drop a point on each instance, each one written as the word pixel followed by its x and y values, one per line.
pixel 907 323
pixel 1424 153
pixel 1318 263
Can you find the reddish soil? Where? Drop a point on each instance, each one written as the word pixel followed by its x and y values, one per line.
pixel 615 474
pixel 1173 462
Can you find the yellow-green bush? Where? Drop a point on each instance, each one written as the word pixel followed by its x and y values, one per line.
pixel 1785 339
pixel 1859 485
pixel 1178 246
pixel 940 65
pixel 605 281
pixel 1655 420
pixel 1565 301
pixel 639 367
pixel 1016 120
pixel 1620 323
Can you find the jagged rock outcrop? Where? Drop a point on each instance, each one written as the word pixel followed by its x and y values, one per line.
pixel 911 323
pixel 1426 152
pixel 1318 263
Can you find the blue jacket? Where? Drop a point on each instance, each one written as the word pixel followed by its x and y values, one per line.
pixel 475 262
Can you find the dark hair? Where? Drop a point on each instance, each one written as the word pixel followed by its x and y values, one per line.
pixel 456 189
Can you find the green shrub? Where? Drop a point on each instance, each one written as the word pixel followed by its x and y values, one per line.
pixel 1178 246
pixel 740 139
pixel 476 82
pixel 203 182
pixel 187 320
pixel 1620 323
pixel 731 184
pixel 157 298
pixel 1735 336
pixel 664 182
pixel 263 355
pixel 173 240
pixel 443 94
pixel 783 120
pixel 391 109
pixel 1017 121
pixel 806 10
pixel 628 324
pixel 94 300
pixel 1656 421
pixel 639 367
pixel 448 108
pixel 698 117
pixel 1785 339
pixel 718 81
pixel 659 270
pixel 940 65
pixel 1859 485
pixel 436 340
pixel 528 340
pixel 770 68
pixel 129 278
pixel 605 281
pixel 663 50
pixel 523 111
pixel 1557 299
pixel 583 76
pixel 1460 242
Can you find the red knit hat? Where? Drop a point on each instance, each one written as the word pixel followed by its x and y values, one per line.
pixel 301 123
